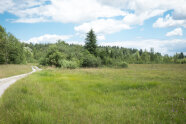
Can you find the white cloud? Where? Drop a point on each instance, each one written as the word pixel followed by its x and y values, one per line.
pixel 100 37
pixel 76 11
pixel 109 26
pixel 133 19
pixel 60 10
pixel 48 38
pixel 17 6
pixel 141 6
pixel 30 20
pixel 103 26
pixel 175 32
pixel 145 9
pixel 5 5
pixel 163 46
pixel 168 22
pixel 89 11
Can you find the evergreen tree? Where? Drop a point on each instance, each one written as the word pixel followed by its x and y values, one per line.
pixel 90 42
pixel 140 52
pixel 152 56
pixel 181 55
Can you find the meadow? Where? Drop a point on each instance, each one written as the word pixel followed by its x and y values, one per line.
pixel 12 69
pixel 139 94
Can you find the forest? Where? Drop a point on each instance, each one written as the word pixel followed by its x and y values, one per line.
pixel 64 55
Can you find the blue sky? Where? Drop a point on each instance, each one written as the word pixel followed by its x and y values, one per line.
pixel 140 24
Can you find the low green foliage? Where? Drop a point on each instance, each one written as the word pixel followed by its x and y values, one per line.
pixel 136 95
pixel 90 60
pixel 53 57
pixel 123 65
pixel 69 64
pixel 182 61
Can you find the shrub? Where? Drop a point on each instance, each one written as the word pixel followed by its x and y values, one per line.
pixel 107 61
pixel 123 65
pixel 2 58
pixel 90 60
pixel 181 61
pixel 42 61
pixel 53 57
pixel 69 64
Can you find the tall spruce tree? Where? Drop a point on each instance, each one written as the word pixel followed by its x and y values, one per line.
pixel 90 42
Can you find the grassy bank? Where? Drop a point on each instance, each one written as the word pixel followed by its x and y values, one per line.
pixel 12 69
pixel 138 94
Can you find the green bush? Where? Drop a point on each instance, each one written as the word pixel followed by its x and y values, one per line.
pixel 43 61
pixel 2 58
pixel 124 65
pixel 53 57
pixel 90 60
pixel 181 61
pixel 107 61
pixel 69 64
pixel 121 65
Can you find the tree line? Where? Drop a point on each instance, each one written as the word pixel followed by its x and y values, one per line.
pixel 11 50
pixel 62 54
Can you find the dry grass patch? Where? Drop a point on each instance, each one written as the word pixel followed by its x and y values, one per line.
pixel 11 70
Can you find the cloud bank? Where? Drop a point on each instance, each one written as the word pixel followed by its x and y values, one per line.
pixel 175 32
pixel 88 13
pixel 48 38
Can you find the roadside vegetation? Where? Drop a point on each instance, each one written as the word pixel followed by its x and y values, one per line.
pixel 138 94
pixel 12 69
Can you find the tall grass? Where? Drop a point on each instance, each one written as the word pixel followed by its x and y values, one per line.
pixel 139 94
pixel 12 69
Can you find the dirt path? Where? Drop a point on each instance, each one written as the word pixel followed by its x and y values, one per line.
pixel 6 82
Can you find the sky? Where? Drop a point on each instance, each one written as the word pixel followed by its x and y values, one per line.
pixel 141 24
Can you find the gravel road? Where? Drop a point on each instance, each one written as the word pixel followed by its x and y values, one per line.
pixel 6 82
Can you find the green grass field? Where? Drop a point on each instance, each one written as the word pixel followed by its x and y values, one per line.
pixel 140 94
pixel 11 70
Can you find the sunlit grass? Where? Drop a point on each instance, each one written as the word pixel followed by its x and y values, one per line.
pixel 139 94
pixel 12 69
